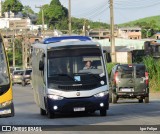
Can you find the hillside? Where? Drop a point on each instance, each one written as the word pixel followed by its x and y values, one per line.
pixel 151 21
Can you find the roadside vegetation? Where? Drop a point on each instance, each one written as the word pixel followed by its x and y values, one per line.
pixel 109 67
pixel 18 53
pixel 153 67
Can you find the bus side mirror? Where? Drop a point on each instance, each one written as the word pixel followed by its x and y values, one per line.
pixel 41 65
pixel 107 56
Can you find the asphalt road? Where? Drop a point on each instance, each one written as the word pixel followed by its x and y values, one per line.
pixel 125 112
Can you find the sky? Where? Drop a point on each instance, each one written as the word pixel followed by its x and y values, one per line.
pixel 98 10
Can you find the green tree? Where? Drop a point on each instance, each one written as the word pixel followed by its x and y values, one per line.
pixel 55 2
pixel 18 53
pixel 46 18
pixel 53 13
pixel 12 5
pixel 27 11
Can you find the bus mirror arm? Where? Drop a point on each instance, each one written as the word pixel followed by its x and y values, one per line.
pixel 41 65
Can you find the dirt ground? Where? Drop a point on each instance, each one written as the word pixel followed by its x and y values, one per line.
pixel 154 95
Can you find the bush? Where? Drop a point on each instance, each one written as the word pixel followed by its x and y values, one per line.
pixel 109 67
pixel 153 67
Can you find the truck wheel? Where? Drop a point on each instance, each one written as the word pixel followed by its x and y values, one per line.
pixel 140 100
pixel 110 99
pixel 42 111
pixel 110 96
pixel 114 98
pixel 146 99
pixel 103 112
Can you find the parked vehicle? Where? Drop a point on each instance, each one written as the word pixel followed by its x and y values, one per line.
pixel 129 81
pixel 14 69
pixel 17 77
pixel 26 77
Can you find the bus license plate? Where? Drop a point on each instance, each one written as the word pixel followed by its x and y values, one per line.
pixel 76 109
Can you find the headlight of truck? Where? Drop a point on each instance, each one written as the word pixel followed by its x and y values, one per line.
pixel 5 104
pixel 55 97
pixel 101 94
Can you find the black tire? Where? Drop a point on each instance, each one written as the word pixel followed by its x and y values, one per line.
pixel 114 98
pixel 140 100
pixel 110 98
pixel 92 112
pixel 103 112
pixel 50 115
pixel 12 113
pixel 42 111
pixel 146 99
pixel 23 83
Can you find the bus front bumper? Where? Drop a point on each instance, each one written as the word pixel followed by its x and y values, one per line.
pixel 87 104
pixel 7 111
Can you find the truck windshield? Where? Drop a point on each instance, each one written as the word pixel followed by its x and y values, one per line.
pixel 68 65
pixel 126 71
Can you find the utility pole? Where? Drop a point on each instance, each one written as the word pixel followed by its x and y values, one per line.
pixel 23 51
pixel 0 8
pixel 69 17
pixel 99 29
pixel 41 7
pixel 13 43
pixel 113 54
pixel 84 28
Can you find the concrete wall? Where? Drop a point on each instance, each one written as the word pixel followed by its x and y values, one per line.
pixel 124 57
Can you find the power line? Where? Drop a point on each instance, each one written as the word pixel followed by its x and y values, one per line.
pixel 130 5
pixel 96 14
pixel 100 12
pixel 90 11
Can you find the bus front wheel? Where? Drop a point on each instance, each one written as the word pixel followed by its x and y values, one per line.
pixel 50 114
pixel 43 112
pixel 103 112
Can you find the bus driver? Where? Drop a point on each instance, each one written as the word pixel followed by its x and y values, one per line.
pixel 88 65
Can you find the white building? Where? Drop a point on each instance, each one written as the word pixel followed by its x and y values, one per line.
pixel 35 27
pixel 6 23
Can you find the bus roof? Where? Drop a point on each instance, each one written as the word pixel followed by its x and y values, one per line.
pixel 62 38
pixel 66 42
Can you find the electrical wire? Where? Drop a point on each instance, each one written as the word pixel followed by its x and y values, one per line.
pixel 135 4
pixel 92 10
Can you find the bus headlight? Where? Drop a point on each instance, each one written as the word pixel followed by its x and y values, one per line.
pixel 101 94
pixel 5 104
pixel 55 97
